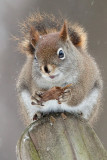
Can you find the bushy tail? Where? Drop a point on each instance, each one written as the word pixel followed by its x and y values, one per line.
pixel 46 23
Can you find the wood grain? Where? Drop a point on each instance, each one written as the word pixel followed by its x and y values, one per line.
pixel 70 139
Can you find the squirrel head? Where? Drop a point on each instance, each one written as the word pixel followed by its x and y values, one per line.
pixel 55 54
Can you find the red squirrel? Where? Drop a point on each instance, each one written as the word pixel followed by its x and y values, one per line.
pixel 57 55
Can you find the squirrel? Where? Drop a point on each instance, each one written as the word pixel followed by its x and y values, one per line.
pixel 57 55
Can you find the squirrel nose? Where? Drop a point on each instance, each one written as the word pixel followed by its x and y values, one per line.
pixel 46 69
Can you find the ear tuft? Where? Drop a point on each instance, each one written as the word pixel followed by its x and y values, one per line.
pixel 34 36
pixel 64 32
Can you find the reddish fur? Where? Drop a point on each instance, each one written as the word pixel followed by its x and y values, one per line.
pixel 45 24
pixel 64 32
pixel 51 32
pixel 47 46
pixel 34 36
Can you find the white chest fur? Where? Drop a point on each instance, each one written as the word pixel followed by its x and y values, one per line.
pixel 86 106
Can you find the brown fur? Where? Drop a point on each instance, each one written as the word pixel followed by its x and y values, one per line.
pixel 54 33
pixel 45 24
pixel 34 36
pixel 64 32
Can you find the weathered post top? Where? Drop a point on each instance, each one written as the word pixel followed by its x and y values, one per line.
pixel 69 139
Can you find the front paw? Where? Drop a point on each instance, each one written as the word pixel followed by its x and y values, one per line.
pixel 65 96
pixel 37 116
pixel 36 99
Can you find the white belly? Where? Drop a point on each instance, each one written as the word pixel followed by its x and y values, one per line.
pixel 86 106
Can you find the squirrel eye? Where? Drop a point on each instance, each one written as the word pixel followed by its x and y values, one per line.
pixel 35 58
pixel 60 53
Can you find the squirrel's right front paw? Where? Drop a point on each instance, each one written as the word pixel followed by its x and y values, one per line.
pixel 37 99
pixel 37 116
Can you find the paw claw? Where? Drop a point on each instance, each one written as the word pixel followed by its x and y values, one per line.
pixel 65 96
pixel 37 116
pixel 39 93
pixel 52 120
pixel 80 114
pixel 36 98
pixel 33 103
pixel 68 90
pixel 63 116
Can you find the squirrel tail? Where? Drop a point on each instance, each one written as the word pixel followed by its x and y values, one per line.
pixel 48 23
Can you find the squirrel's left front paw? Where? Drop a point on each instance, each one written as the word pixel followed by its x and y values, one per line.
pixel 36 99
pixel 65 96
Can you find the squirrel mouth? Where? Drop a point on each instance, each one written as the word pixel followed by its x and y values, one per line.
pixel 53 76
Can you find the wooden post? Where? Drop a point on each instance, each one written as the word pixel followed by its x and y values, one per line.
pixel 69 139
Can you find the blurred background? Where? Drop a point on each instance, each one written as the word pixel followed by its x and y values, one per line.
pixel 92 14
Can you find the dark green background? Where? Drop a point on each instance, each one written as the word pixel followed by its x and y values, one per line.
pixel 92 14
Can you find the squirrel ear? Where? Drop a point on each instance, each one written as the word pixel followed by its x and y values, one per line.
pixel 34 36
pixel 64 32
